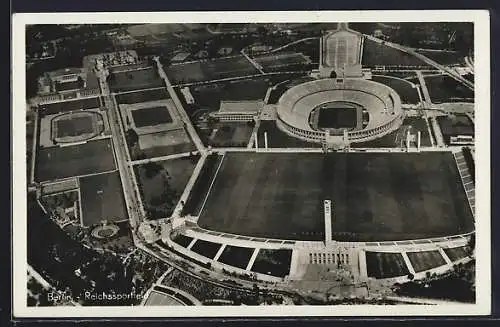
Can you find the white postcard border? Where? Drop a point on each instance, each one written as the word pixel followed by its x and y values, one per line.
pixel 482 130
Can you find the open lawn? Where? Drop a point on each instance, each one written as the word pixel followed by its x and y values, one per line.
pixel 398 137
pixel 211 69
pixel 273 262
pixel 135 80
pixel 455 125
pixel 404 88
pixel 385 265
pixel 156 298
pixel 142 96
pixel 377 54
pixel 182 240
pixel 162 183
pixel 278 139
pixel 280 195
pixel 444 57
pixel 425 260
pixel 206 248
pixel 73 105
pixel 75 160
pixel 457 253
pixel 232 134
pixel 102 199
pixel 151 116
pixel 445 89
pixel 236 256
pixel 282 61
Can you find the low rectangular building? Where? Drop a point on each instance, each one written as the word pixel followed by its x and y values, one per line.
pixel 238 110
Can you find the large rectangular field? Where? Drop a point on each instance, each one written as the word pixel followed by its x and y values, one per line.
pixel 277 61
pixel 76 160
pixel 280 195
pixel 142 96
pixel 102 199
pixel 74 126
pixel 198 71
pixel 73 105
pixel 135 80
pixel 151 116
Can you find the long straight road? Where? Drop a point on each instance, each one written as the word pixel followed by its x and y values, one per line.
pixel 131 197
pixel 184 116
pixel 425 91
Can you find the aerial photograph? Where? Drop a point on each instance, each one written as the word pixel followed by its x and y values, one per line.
pixel 250 164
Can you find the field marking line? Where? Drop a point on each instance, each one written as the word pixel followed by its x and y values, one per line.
pixel 211 184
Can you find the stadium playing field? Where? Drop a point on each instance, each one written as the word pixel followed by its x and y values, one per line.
pixel 339 115
pixel 210 70
pixel 102 199
pixel 151 116
pixel 82 159
pixel 73 126
pixel 281 195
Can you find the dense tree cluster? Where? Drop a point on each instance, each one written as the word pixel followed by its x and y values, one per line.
pixel 68 265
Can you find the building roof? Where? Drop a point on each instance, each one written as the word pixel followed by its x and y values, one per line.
pixel 65 71
pixel 241 106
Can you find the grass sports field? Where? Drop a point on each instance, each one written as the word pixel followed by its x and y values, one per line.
pixel 61 162
pixel 73 105
pixel 281 61
pixel 446 89
pixel 142 96
pixel 339 115
pixel 281 196
pixel 199 71
pixel 74 126
pixel 377 54
pixel 151 116
pixel 404 88
pixel 135 80
pixel 102 199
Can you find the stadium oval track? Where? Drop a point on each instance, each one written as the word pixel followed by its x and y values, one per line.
pixel 381 102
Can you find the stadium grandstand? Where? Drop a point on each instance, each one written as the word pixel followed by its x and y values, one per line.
pixel 238 110
pixel 382 104
pixel 62 80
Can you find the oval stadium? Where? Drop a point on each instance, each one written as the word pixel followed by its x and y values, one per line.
pixel 365 109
